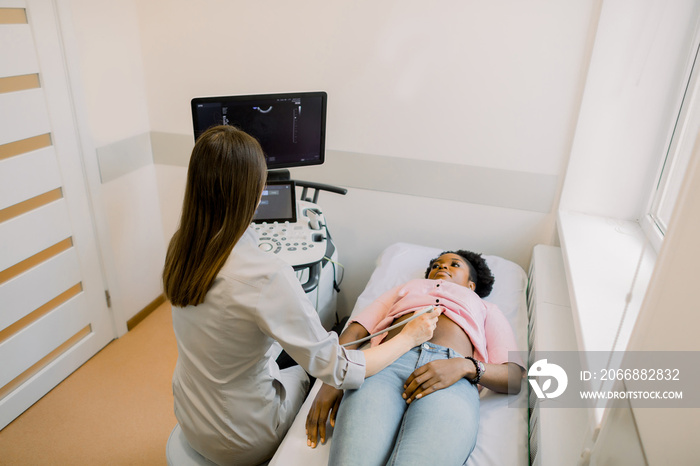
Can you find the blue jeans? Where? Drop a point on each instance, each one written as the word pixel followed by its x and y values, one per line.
pixel 375 426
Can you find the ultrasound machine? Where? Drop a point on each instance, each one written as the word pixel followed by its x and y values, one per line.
pixel 291 129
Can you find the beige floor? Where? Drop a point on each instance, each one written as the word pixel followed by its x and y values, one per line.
pixel 117 409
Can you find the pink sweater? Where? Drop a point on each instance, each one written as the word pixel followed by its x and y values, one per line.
pixel 487 327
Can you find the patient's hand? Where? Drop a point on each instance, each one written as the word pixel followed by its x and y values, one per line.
pixel 434 376
pixel 327 401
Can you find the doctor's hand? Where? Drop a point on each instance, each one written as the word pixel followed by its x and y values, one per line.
pixel 435 376
pixel 421 328
pixel 327 401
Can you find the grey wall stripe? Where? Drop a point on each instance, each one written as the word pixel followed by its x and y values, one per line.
pixel 172 149
pixel 439 180
pixel 124 157
pixel 455 182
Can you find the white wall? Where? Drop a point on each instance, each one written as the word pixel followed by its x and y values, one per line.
pixel 633 92
pixel 477 83
pixel 109 45
pixel 467 84
pixel 112 103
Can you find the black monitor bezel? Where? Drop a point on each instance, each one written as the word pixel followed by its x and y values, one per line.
pixel 271 165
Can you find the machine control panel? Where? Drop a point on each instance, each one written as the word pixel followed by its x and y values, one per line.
pixel 299 243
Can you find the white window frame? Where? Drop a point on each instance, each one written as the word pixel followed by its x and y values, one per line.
pixel 680 147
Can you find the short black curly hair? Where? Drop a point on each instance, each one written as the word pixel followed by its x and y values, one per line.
pixel 479 272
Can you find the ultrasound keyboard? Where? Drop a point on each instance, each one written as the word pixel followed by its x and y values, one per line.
pixel 299 243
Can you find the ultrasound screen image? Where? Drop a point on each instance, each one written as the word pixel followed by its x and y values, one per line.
pixel 290 128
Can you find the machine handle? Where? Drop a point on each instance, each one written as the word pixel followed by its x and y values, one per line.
pixel 318 187
pixel 314 276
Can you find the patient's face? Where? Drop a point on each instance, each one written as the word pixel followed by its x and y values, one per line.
pixel 451 268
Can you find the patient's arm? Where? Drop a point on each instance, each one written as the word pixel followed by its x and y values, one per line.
pixel 377 358
pixel 328 398
pixel 326 402
pixel 436 375
pixel 503 378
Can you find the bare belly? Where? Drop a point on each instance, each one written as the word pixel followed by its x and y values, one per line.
pixel 447 334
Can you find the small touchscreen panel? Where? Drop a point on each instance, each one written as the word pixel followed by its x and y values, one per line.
pixel 278 203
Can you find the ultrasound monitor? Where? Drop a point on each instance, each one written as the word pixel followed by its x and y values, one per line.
pixel 291 128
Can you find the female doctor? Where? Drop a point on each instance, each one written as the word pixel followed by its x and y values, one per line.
pixel 231 301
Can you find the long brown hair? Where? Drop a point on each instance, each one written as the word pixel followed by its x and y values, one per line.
pixel 225 179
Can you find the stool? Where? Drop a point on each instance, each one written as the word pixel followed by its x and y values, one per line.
pixel 178 451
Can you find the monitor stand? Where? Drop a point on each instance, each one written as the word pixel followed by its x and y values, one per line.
pixel 278 175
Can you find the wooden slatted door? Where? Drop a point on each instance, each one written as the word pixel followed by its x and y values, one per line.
pixel 53 312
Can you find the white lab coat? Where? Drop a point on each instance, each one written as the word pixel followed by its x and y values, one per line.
pixel 230 399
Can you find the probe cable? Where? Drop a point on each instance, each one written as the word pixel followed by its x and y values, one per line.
pixel 403 322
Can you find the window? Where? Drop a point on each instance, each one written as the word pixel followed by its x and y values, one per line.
pixel 680 148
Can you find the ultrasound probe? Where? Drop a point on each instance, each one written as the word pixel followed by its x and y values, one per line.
pixel 403 322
